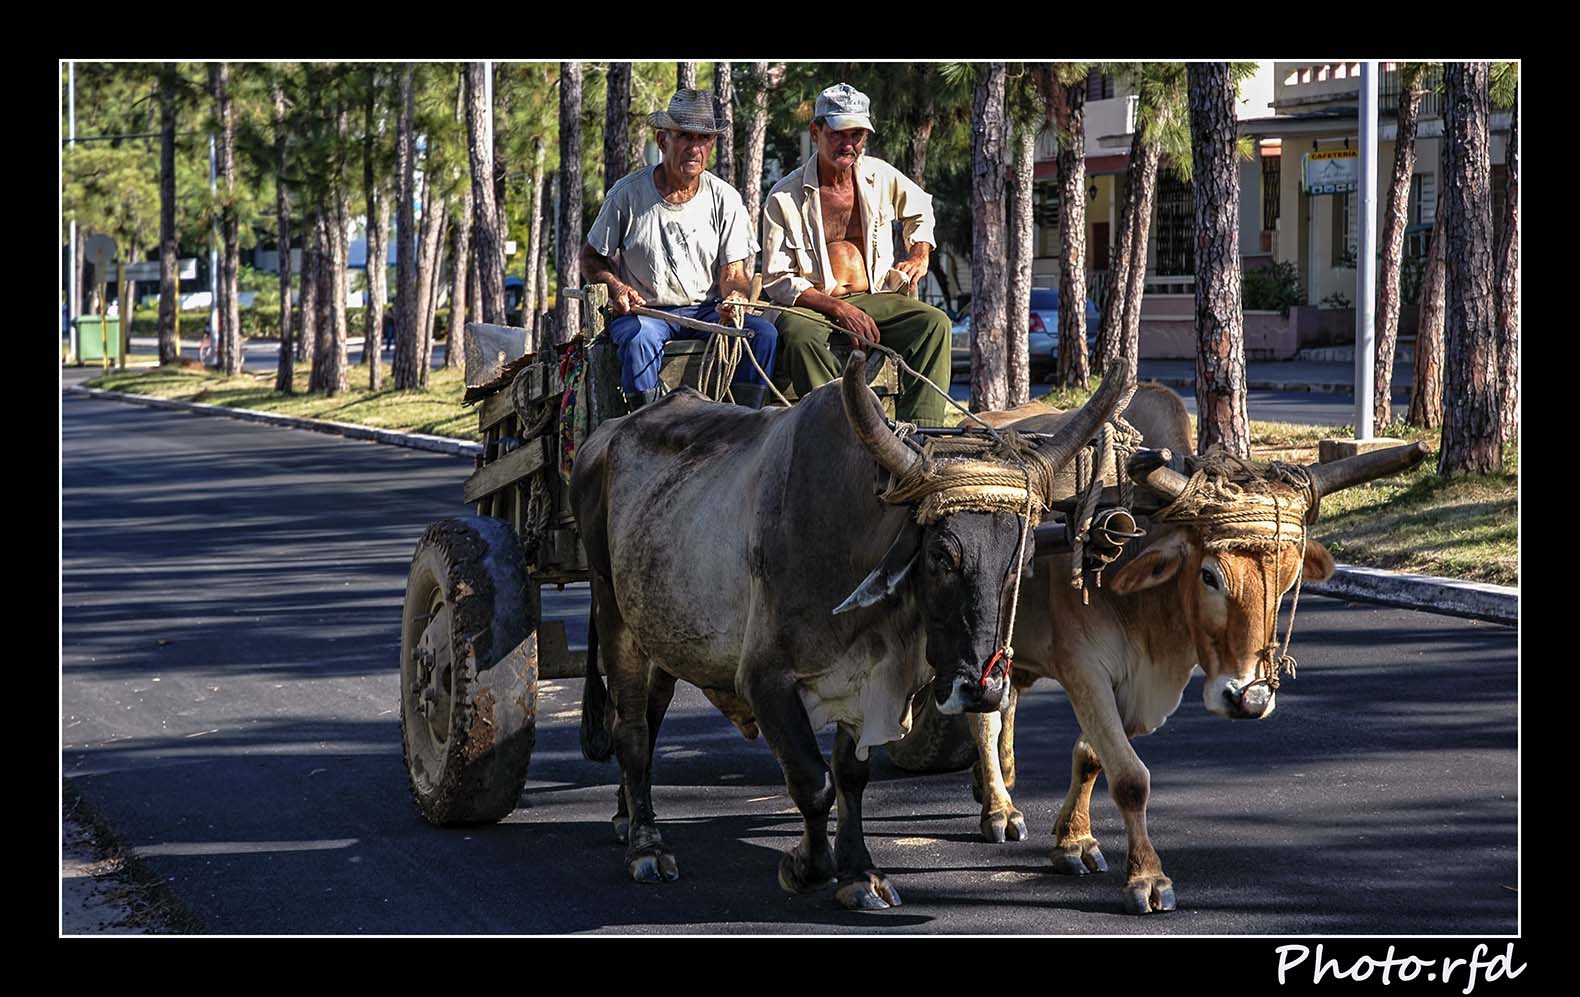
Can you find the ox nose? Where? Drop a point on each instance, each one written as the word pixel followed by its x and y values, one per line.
pixel 1251 703
pixel 969 695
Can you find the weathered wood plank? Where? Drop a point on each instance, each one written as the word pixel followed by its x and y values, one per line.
pixel 508 469
pixel 494 409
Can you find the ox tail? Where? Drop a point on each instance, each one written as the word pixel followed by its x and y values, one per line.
pixel 597 745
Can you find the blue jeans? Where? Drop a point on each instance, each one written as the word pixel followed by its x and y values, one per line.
pixel 640 340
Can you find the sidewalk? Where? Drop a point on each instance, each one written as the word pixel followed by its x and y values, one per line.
pixel 1274 375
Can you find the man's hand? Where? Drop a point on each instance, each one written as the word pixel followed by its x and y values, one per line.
pixel 915 266
pixel 733 314
pixel 622 298
pixel 850 317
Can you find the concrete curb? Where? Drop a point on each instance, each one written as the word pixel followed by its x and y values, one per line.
pixel 1285 386
pixel 416 441
pixel 1447 596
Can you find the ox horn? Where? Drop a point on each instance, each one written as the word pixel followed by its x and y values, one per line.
pixel 865 413
pixel 1151 468
pixel 1347 471
pixel 1072 436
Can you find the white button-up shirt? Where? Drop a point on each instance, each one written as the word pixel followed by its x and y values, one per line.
pixel 795 247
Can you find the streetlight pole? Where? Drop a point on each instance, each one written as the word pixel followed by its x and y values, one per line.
pixel 1366 265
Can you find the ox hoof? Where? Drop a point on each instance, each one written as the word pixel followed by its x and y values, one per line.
pixel 795 877
pixel 622 828
pixel 871 892
pixel 1078 858
pixel 1005 825
pixel 1147 894
pixel 653 866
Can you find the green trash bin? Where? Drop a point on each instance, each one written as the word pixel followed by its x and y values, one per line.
pixel 91 344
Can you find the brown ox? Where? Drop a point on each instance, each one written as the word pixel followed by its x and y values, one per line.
pixel 1167 606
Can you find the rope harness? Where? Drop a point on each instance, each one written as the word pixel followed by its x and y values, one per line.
pixel 1003 473
pixel 1257 507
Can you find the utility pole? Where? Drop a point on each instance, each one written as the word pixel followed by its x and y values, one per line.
pixel 71 289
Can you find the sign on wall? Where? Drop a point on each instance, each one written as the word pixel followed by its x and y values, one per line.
pixel 1336 171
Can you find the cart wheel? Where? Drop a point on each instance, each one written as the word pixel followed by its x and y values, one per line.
pixel 936 743
pixel 468 672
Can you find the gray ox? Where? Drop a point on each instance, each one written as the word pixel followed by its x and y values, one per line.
pixel 721 542
pixel 1166 607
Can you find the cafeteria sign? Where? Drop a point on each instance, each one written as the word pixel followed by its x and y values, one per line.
pixel 1331 172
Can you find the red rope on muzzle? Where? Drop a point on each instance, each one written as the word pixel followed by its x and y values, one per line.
pixel 1002 653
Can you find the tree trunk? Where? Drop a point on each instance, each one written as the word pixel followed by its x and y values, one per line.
pixel 724 91
pixel 307 327
pixel 1018 322
pixel 1110 335
pixel 1426 380
pixel 430 263
pixel 530 308
pixel 752 164
pixel 285 372
pixel 230 267
pixel 406 310
pixel 1220 345
pixel 1508 263
pixel 989 353
pixel 1393 249
pixel 1472 438
pixel 926 120
pixel 340 240
pixel 617 125
pixel 377 227
pixel 169 305
pixel 685 76
pixel 460 273
pixel 1140 235
pixel 486 242
pixel 567 253
pixel 474 290
pixel 323 372
pixel 1070 109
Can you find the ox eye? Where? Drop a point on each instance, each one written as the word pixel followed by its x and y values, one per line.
pixel 1209 578
pixel 946 553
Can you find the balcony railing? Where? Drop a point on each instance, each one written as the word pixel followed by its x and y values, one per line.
pixel 1305 84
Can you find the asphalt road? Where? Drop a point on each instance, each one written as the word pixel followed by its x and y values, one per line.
pixel 230 609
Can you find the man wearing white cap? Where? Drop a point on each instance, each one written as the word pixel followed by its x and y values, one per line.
pixel 827 247
pixel 674 237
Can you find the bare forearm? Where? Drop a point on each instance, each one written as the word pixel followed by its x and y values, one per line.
pixel 597 268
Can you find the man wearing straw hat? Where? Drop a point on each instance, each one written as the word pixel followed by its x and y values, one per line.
pixel 674 237
pixel 828 250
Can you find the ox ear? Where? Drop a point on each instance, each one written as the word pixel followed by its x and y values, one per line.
pixel 887 577
pixel 1319 563
pixel 1153 566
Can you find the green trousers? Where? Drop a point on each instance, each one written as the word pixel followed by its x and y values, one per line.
pixel 917 331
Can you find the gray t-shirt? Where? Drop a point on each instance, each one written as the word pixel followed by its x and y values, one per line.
pixel 671 253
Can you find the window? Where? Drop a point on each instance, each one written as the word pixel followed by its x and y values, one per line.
pixel 1423 199
pixel 1271 172
pixel 1176 240
pixel 1045 214
pixel 1346 229
pixel 1098 86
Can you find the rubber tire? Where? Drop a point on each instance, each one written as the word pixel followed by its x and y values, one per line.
pixel 936 743
pixel 477 564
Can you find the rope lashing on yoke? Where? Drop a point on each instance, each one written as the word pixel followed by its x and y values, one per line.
pixel 1256 506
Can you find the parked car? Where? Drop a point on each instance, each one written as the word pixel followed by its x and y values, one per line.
pixel 1042 340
